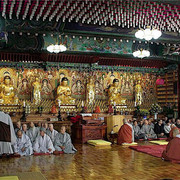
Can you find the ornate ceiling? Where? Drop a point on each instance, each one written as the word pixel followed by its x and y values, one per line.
pixel 28 25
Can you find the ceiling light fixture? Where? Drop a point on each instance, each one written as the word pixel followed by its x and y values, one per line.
pixel 141 53
pixel 148 34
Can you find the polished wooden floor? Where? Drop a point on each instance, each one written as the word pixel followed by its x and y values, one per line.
pixel 90 162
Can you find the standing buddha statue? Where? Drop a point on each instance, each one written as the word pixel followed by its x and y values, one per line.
pixel 36 91
pixel 90 92
pixel 138 92
pixel 64 93
pixel 7 92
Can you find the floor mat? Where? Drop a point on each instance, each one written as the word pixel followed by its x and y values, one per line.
pixel 153 150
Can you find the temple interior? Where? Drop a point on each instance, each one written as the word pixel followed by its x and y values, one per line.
pixel 89 89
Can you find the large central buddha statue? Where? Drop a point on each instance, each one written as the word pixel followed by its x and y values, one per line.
pixel 7 92
pixel 64 93
pixel 114 94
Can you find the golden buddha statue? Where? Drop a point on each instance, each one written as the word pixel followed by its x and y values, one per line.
pixel 36 91
pixel 90 92
pixel 64 93
pixel 114 94
pixel 7 92
pixel 138 92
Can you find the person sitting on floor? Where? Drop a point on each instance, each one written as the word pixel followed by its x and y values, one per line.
pixel 125 133
pixel 178 123
pixel 141 123
pixel 45 125
pixel 173 127
pixel 63 142
pixel 172 150
pixel 167 128
pixel 18 127
pixel 23 146
pixel 159 129
pixel 51 132
pixel 137 131
pixel 148 131
pixel 33 132
pixel 39 125
pixel 43 143
pixel 150 122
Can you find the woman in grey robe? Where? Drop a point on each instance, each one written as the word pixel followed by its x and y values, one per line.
pixel 63 142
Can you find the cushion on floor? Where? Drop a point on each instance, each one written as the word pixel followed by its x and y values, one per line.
pixel 160 142
pixel 130 144
pixel 9 178
pixel 99 142
pixel 40 154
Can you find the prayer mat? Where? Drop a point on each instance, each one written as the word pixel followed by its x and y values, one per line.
pixel 153 150
pixel 99 142
pixel 9 178
pixel 130 144
pixel 40 154
pixel 160 142
pixel 28 176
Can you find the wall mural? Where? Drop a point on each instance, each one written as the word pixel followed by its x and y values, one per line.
pixel 99 45
pixel 22 80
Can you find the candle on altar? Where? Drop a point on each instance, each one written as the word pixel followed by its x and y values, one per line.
pixel 135 104
pixel 114 103
pixel 24 104
pixel 82 103
pixel 59 103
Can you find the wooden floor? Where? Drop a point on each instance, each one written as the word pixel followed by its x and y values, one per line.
pixel 90 162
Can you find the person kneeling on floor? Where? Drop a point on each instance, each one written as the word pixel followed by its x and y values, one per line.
pixel 43 143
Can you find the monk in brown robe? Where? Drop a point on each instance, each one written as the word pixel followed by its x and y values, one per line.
pixel 173 127
pixel 172 152
pixel 125 134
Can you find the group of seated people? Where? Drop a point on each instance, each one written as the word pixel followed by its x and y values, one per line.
pixel 146 129
pixel 41 139
pixel 150 129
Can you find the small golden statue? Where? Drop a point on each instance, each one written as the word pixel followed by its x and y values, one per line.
pixel 7 92
pixel 138 92
pixel 64 93
pixel 90 92
pixel 36 85
pixel 114 94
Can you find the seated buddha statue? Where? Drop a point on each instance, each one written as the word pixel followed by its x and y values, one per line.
pixel 64 93
pixel 114 94
pixel 7 92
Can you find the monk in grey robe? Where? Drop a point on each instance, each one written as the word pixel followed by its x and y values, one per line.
pixel 23 145
pixel 18 127
pixel 148 131
pixel 43 143
pixel 33 132
pixel 51 132
pixel 63 142
pixel 137 131
pixel 7 134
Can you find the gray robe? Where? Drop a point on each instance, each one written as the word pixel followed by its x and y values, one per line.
pixel 148 131
pixel 52 134
pixel 64 140
pixel 137 130
pixel 23 142
pixel 6 147
pixel 42 144
pixel 33 134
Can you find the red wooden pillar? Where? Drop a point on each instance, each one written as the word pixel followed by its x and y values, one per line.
pixel 178 90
